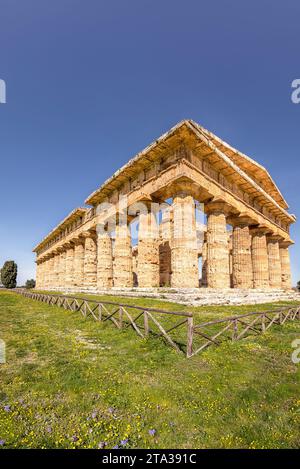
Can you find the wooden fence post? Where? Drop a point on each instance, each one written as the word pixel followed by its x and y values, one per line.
pixel 263 323
pixel 190 334
pixel 146 323
pixel 120 317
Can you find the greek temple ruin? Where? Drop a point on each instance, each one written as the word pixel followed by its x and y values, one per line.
pixel 242 243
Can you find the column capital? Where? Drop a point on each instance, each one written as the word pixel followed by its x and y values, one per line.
pixel 240 220
pixel 273 238
pixel 219 206
pixel 285 243
pixel 260 230
pixel 88 234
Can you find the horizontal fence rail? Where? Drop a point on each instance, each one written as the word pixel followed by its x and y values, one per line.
pixel 164 324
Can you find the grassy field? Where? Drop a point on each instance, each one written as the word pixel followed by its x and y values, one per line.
pixel 71 382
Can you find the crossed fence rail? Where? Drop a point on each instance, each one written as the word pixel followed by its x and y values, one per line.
pixel 164 324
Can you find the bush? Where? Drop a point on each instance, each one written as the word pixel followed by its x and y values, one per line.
pixel 30 284
pixel 9 274
pixel 298 286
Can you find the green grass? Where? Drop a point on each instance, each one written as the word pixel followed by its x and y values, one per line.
pixel 71 382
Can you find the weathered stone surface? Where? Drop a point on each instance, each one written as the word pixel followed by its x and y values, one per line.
pixel 122 265
pixel 148 251
pixel 104 268
pixel 217 246
pixel 165 231
pixel 274 262
pixel 62 269
pixel 69 279
pixel 187 164
pixel 242 275
pixel 184 250
pixel 285 266
pixel 90 260
pixel 260 260
pixel 79 262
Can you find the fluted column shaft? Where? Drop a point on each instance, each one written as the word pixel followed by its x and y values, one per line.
pixel 286 278
pixel 105 260
pixel 260 261
pixel 78 279
pixel 274 262
pixel 148 251
pixel 122 265
pixel 62 269
pixel 204 263
pixel 165 231
pixel 69 265
pixel 217 246
pixel 56 269
pixel 184 252
pixel 51 272
pixel 46 274
pixel 90 260
pixel 242 275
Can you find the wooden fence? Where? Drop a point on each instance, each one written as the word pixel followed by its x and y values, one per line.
pixel 189 337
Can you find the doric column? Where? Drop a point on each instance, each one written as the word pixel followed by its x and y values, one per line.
pixel 50 271
pixel 37 274
pixel 105 259
pixel 46 273
pixel 78 279
pixel 165 230
pixel 260 261
pixel 41 274
pixel 62 268
pixel 242 275
pixel 217 245
pixel 56 268
pixel 204 262
pixel 148 250
pixel 69 265
pixel 274 261
pixel 286 278
pixel 122 265
pixel 90 259
pixel 184 252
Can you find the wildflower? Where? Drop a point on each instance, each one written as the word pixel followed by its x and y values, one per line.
pixel 102 444
pixel 152 432
pixel 110 410
pixel 94 415
pixel 124 442
pixel 48 429
pixel 116 447
pixel 7 408
pixel 74 438
pixel 2 442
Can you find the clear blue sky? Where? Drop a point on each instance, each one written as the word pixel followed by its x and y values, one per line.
pixel 90 83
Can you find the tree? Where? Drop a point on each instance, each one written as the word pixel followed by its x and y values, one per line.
pixel 30 284
pixel 298 286
pixel 9 274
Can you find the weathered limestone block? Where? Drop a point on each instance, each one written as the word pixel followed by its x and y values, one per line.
pixel 90 260
pixel 184 250
pixel 260 261
pixel 46 274
pixel 148 251
pixel 69 280
pixel 165 230
pixel 204 262
pixel 122 264
pixel 218 275
pixel 62 269
pixel 51 278
pixel 274 262
pixel 242 274
pixel 78 280
pixel 55 270
pixel 286 278
pixel 104 260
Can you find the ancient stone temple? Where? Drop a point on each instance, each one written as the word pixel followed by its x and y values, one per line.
pixel 243 242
